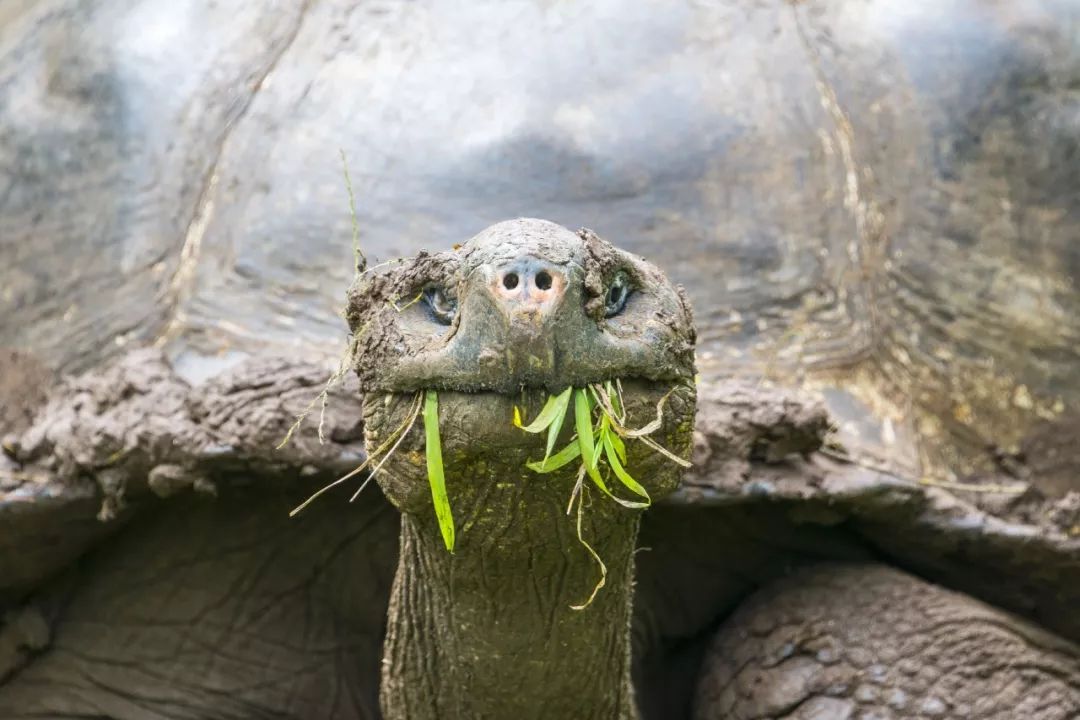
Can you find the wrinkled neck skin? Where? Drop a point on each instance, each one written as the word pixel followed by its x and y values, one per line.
pixel 489 633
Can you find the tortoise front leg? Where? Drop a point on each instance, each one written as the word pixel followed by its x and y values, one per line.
pixel 864 642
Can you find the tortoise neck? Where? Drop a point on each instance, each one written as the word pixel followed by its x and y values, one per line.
pixel 489 631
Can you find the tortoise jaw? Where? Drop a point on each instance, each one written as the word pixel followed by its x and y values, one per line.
pixel 478 436
pixel 526 391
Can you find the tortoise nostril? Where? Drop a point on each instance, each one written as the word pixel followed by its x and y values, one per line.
pixel 510 281
pixel 543 280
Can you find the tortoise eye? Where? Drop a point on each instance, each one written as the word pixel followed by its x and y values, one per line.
pixel 442 305
pixel 617 293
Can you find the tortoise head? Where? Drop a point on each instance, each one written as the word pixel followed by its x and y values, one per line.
pixel 523 310
pixel 524 304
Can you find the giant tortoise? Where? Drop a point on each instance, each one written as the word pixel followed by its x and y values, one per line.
pixel 871 208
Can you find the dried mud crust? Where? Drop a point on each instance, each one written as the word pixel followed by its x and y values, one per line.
pixel 744 428
pixel 742 422
pixel 1045 473
pixel 24 385
pixel 862 642
pixel 374 302
pixel 138 415
pixel 602 261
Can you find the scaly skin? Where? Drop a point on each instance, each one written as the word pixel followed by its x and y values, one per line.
pixel 863 642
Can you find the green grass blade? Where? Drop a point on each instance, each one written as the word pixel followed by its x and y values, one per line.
pixel 616 404
pixel 608 433
pixel 556 461
pixel 618 444
pixel 436 478
pixel 554 409
pixel 620 472
pixel 598 481
pixel 563 403
pixel 583 422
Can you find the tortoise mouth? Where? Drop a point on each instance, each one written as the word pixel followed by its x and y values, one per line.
pixel 479 420
pixel 523 391
pixel 580 370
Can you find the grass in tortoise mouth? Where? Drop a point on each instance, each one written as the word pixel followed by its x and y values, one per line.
pixel 598 445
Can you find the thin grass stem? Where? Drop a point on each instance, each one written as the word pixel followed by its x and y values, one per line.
pixel 603 568
pixel 413 414
pixel 355 471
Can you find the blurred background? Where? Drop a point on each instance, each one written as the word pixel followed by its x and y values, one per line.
pixel 878 200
